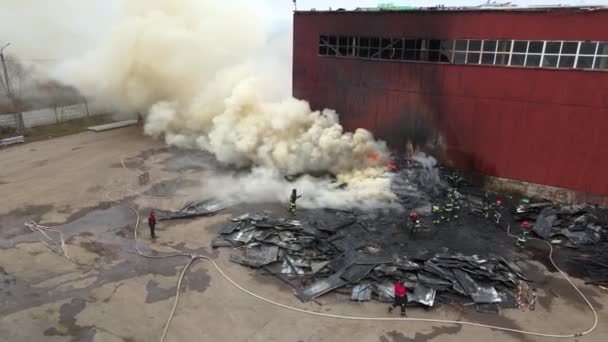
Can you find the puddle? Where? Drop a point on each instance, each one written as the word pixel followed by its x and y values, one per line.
pixel 194 280
pixel 97 221
pixel 395 336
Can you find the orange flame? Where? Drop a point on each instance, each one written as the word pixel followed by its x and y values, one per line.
pixel 392 166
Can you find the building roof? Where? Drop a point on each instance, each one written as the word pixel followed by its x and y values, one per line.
pixel 492 7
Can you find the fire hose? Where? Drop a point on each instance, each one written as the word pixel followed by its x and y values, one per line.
pixel 194 257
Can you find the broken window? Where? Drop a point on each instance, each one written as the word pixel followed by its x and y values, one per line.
pixel 536 53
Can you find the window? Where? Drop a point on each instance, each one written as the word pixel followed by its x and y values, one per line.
pixel 551 54
pixel 460 51
pixel 590 55
pixel 535 49
pixel 447 51
pixel 363 47
pixel 473 52
pixel 586 56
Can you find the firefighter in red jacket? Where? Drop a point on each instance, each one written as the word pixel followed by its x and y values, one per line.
pixel 400 298
pixel 152 223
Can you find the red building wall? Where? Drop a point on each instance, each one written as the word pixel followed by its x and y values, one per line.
pixel 538 125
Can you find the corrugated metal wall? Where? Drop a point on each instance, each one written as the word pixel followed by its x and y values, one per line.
pixel 537 125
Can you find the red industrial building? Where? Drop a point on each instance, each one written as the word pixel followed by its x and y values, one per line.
pixel 515 93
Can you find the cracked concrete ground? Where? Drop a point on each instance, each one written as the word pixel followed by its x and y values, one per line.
pixel 109 293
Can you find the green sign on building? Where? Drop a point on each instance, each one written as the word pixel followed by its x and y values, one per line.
pixel 389 6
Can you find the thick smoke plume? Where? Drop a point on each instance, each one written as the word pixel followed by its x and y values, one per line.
pixel 215 75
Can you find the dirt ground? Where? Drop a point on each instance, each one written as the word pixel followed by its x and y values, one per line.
pixel 109 293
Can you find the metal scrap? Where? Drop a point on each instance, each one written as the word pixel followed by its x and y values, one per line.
pixel 195 209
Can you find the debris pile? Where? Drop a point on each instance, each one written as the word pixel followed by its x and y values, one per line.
pixel 338 251
pixel 570 225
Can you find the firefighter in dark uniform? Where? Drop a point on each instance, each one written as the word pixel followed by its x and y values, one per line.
pixel 454 179
pixel 292 201
pixel 485 208
pixel 436 211
pixel 498 211
pixel 452 206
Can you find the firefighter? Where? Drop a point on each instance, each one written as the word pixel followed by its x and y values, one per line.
pixel 414 222
pixel 452 206
pixel 436 210
pixel 152 224
pixel 485 209
pixel 400 298
pixel 449 210
pixel 498 211
pixel 292 201
pixel 524 234
pixel 454 179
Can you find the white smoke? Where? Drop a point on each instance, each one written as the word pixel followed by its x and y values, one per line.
pixel 213 75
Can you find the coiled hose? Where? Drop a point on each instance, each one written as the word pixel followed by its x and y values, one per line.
pixel 193 258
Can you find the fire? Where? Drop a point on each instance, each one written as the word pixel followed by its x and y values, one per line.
pixel 373 157
pixel 392 166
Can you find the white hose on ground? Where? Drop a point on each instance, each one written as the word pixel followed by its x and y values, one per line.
pixel 356 318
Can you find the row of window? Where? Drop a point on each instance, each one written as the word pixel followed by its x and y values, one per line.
pixel 528 53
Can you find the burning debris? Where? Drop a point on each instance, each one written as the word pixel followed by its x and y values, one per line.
pixel 365 252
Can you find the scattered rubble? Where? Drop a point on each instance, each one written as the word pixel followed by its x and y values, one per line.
pixel 318 256
pixel 194 209
pixel 364 253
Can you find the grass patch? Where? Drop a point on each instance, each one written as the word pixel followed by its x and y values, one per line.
pixel 65 128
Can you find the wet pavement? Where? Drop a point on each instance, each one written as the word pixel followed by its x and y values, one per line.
pixel 113 294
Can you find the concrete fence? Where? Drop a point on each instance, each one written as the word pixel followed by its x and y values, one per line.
pixel 46 116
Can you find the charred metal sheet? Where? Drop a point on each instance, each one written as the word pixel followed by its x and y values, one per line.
pixel 363 259
pixel 479 294
pixel 230 228
pixel 437 270
pixel 405 264
pixel 194 209
pixel 257 257
pixel 243 217
pixel 275 270
pixel 275 240
pixel 362 292
pixel 221 242
pixel 321 287
pixel 422 295
pixel 387 270
pixel 507 300
pixel 263 234
pixel 243 236
pixel 430 280
pixel 544 223
pixel 357 272
pixel 335 225
pixel 315 267
pixel 385 291
pixel 579 237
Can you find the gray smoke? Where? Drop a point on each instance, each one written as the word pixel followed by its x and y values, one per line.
pixel 216 76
